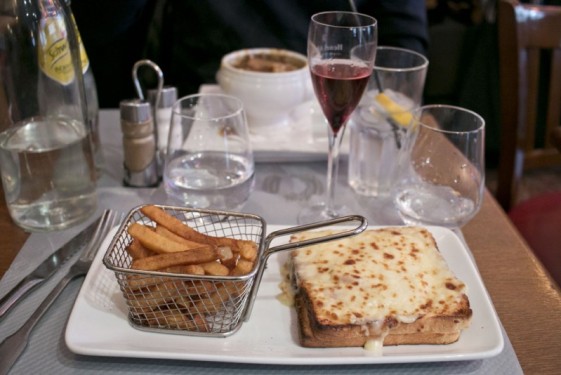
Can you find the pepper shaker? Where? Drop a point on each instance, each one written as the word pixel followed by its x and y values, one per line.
pixel 139 143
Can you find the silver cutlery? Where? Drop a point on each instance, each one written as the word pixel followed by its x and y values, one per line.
pixel 47 268
pixel 12 347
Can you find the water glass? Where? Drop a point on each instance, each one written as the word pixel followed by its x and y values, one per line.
pixel 445 175
pixel 380 123
pixel 209 161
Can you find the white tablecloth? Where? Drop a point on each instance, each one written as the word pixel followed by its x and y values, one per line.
pixel 280 191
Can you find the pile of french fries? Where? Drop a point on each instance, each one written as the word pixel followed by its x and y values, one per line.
pixel 173 247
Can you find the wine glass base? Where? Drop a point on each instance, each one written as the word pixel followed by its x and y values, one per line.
pixel 319 212
pixel 425 206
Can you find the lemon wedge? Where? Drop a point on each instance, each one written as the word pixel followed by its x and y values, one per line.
pixel 399 114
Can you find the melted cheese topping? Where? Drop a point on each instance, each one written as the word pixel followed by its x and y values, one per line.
pixel 375 346
pixel 393 273
pixel 287 291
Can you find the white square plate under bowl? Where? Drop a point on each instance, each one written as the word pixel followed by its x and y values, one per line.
pixel 98 324
pixel 302 139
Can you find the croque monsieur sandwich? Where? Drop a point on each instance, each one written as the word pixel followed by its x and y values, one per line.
pixel 387 286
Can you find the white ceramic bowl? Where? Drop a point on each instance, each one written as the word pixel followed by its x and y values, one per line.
pixel 268 97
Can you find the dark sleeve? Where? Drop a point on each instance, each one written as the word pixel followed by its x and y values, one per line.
pixel 114 34
pixel 189 49
pixel 401 23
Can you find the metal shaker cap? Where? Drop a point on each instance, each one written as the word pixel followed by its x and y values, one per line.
pixel 168 97
pixel 135 110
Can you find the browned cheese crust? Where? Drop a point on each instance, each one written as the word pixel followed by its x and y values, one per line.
pixel 423 318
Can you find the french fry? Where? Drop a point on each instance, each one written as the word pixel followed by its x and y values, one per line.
pixel 176 226
pixel 193 291
pixel 135 282
pixel 153 296
pixel 163 231
pixel 155 241
pixel 199 255
pixel 224 253
pixel 143 281
pixel 189 287
pixel 248 250
pixel 188 269
pixel 227 257
pixel 175 319
pixel 242 268
pixel 172 223
pixel 166 292
pixel 170 293
pixel 246 247
pixel 136 250
pixel 215 269
pixel 216 301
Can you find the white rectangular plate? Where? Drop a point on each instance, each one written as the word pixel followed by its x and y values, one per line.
pixel 98 324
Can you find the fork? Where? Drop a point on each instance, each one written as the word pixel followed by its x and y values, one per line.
pixel 13 345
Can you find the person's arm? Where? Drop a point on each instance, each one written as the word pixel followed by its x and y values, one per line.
pixel 114 34
pixel 401 23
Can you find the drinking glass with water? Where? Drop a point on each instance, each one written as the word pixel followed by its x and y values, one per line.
pixel 446 169
pixel 209 162
pixel 380 123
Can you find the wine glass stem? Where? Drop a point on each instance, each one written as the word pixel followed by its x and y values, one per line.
pixel 332 170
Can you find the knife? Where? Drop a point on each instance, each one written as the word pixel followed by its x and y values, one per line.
pixel 47 268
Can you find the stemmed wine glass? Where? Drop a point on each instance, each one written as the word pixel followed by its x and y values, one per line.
pixel 341 52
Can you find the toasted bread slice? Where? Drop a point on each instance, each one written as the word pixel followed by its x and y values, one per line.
pixel 389 285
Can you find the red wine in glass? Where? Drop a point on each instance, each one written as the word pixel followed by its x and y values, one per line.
pixel 339 87
pixel 341 52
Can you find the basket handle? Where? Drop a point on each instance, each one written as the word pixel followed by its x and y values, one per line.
pixel 322 224
pixel 362 225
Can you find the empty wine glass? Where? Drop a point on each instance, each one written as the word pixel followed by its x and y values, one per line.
pixel 341 52
pixel 445 179
pixel 209 161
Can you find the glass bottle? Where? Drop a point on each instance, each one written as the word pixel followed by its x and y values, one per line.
pixel 90 88
pixel 46 155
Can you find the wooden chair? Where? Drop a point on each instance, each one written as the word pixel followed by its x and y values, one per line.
pixel 529 41
pixel 556 138
pixel 530 98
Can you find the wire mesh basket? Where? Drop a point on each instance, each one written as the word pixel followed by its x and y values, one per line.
pixel 194 304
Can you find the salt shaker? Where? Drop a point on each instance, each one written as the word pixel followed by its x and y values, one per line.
pixel 163 107
pixel 139 143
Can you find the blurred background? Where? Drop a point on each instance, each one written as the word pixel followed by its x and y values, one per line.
pixel 459 37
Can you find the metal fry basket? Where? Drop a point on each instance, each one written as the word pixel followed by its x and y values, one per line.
pixel 202 305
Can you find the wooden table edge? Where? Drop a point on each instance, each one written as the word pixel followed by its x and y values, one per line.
pixel 527 300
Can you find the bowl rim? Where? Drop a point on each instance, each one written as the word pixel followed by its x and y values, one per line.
pixel 226 61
